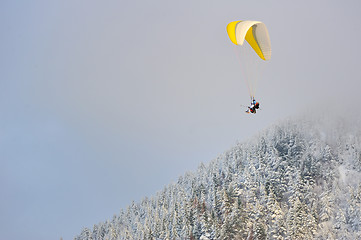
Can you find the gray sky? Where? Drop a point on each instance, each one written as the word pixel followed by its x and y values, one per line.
pixel 105 102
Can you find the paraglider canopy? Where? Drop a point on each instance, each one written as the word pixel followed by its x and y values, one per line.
pixel 255 33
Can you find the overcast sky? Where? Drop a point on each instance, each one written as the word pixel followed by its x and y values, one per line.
pixel 105 102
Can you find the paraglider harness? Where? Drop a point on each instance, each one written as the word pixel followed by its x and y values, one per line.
pixel 253 107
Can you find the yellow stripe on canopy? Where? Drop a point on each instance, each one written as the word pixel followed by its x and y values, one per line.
pixel 252 41
pixel 231 29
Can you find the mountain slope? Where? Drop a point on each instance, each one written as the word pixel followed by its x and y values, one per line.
pixel 300 179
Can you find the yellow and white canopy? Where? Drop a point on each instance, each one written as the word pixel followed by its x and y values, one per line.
pixel 255 33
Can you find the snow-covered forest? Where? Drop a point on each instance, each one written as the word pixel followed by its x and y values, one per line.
pixel 300 179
